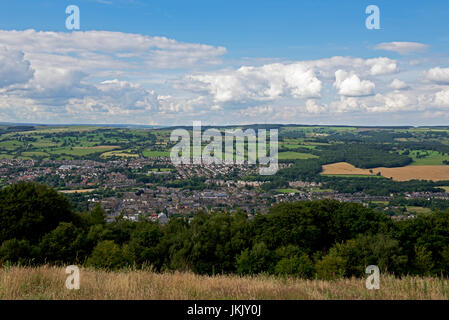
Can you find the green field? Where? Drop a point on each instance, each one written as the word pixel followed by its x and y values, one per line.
pixel 162 169
pixel 433 158
pixel 290 155
pixel 315 190
pixel 41 143
pixel 418 209
pixel 155 154
pixel 296 142
pixel 77 152
pixel 119 153
pixel 287 190
pixel 35 154
pixel 78 142
pixel 294 146
pixel 10 144
pixel 380 202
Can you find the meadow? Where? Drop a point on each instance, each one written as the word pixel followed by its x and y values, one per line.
pixel 287 190
pixel 48 283
pixel 427 157
pixel 295 155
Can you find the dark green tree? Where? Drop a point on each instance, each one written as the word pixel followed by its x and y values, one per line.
pixel 29 210
pixel 65 244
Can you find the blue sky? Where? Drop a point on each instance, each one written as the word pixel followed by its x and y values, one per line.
pixel 287 29
pixel 171 62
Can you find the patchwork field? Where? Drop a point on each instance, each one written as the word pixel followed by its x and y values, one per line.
pixel 435 173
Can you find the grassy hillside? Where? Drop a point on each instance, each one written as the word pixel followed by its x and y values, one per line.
pixel 49 283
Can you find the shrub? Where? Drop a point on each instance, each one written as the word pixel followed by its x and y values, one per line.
pixel 107 255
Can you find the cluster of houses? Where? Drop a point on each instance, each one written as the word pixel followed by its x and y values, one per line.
pixel 151 202
pixel 225 187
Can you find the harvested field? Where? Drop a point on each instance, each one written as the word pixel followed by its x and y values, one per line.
pixel 344 168
pixel 435 173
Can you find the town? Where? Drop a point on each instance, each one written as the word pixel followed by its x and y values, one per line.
pixel 158 190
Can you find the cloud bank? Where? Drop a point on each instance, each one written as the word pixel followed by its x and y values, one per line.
pixel 115 77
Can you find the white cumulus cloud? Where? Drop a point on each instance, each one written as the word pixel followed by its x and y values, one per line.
pixel 14 68
pixel 398 84
pixel 442 98
pixel 267 82
pixel 379 66
pixel 439 75
pixel 350 84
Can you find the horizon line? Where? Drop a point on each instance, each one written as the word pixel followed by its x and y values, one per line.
pixel 157 126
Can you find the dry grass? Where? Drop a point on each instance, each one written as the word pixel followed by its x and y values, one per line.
pixel 344 168
pixel 49 283
pixel 435 173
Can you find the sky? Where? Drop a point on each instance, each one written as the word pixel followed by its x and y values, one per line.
pixel 225 62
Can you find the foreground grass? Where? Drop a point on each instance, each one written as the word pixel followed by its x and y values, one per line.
pixel 49 283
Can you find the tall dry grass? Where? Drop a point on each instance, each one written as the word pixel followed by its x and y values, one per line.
pixel 48 282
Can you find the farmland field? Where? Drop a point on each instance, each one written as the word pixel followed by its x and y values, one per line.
pixel 431 158
pixel 426 149
pixel 434 173
pixel 155 154
pixel 99 148
pixel 414 209
pixel 287 190
pixel 34 154
pixel 344 168
pixel 295 155
pixel 121 153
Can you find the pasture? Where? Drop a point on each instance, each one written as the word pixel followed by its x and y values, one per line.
pixel 427 157
pixel 290 155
